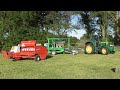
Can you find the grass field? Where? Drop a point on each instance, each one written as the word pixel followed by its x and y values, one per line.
pixel 63 66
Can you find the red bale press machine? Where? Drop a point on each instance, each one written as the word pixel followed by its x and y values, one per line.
pixel 26 50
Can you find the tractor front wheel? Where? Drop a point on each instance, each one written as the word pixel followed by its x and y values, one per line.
pixel 37 58
pixel 89 49
pixel 104 50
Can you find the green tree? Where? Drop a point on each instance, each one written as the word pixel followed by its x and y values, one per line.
pixel 59 22
pixel 103 22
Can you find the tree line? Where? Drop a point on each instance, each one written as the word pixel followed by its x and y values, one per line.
pixel 39 25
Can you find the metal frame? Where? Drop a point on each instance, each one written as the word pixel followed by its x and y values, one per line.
pixel 53 48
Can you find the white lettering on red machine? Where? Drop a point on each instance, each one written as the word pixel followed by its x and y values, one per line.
pixel 28 49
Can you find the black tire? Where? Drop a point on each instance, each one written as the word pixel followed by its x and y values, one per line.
pixel 37 58
pixel 104 51
pixel 92 47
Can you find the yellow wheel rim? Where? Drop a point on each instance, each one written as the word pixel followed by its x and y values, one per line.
pixel 104 51
pixel 89 49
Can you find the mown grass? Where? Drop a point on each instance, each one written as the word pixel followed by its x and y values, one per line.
pixel 63 66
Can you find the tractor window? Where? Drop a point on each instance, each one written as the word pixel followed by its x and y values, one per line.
pixel 94 38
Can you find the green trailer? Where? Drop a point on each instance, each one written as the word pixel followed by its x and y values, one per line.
pixel 57 45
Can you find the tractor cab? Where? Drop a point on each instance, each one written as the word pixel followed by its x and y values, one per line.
pixel 96 38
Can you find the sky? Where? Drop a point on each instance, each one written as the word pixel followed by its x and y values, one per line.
pixel 79 33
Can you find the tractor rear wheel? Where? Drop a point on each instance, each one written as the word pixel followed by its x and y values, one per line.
pixel 89 48
pixel 104 50
pixel 37 58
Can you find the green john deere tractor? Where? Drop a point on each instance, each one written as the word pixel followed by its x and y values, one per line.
pixel 95 45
